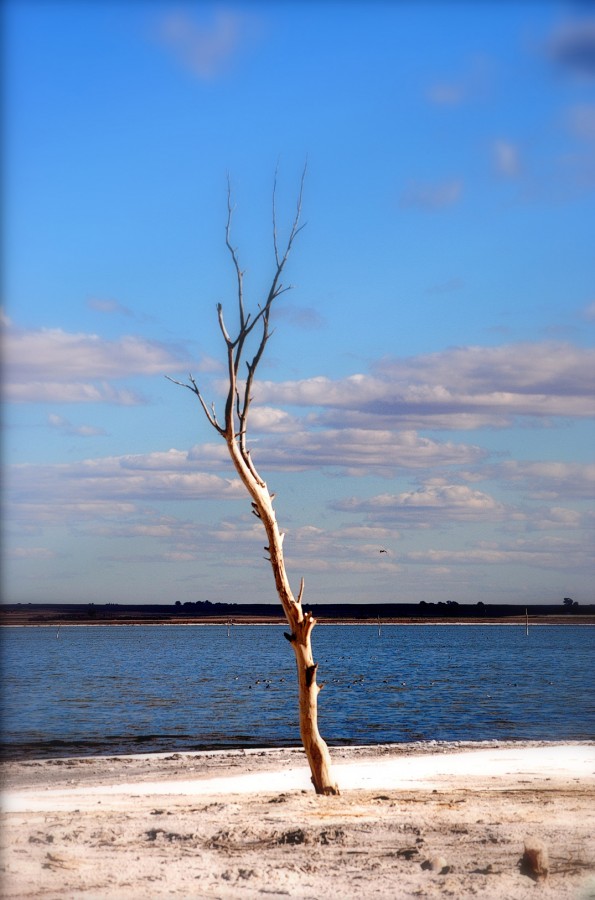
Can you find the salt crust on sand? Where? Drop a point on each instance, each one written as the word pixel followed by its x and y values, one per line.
pixel 443 821
pixel 427 771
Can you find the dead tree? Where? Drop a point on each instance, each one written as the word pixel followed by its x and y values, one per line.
pixel 234 430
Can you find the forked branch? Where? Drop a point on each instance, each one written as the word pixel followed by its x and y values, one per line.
pixel 239 395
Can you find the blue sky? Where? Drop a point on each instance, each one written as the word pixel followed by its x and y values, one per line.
pixel 429 386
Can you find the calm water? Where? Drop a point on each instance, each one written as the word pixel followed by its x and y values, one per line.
pixel 126 689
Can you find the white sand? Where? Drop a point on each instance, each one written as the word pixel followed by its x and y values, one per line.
pixel 248 824
pixel 480 767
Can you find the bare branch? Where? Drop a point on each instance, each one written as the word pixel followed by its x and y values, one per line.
pixel 181 383
pixel 275 290
pixel 224 332
pixel 232 250
pixel 276 248
pixel 210 414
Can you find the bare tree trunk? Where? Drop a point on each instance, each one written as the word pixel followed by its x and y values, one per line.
pixel 300 623
pixel 234 431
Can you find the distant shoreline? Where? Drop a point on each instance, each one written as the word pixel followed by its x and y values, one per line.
pixel 228 614
pixel 248 621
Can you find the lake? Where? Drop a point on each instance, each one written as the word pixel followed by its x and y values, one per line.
pixel 106 690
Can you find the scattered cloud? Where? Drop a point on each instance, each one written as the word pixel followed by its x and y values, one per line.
pixel 66 427
pixel 108 488
pixel 547 369
pixel 581 121
pixel 536 555
pixel 30 553
pixel 361 452
pixel 314 549
pixel 506 158
pixel 204 47
pixel 307 548
pixel 450 502
pixel 371 535
pixel 589 312
pixel 52 365
pixel 184 539
pixel 307 317
pixel 349 452
pixel 269 420
pixel 542 480
pixel 109 307
pixel 556 517
pixel 569 177
pixel 471 84
pixel 72 355
pixel 75 392
pixel 572 47
pixel 446 93
pixel 446 287
pixel 208 364
pixel 462 387
pixel 438 195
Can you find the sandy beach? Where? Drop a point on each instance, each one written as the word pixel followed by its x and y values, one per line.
pixel 415 820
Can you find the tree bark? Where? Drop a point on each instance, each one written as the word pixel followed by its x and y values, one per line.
pixel 301 624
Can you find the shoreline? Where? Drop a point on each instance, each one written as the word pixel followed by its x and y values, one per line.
pixel 354 613
pixel 35 756
pixel 43 782
pixel 426 819
pixel 586 621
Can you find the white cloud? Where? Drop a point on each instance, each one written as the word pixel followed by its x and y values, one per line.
pixel 360 452
pixel 526 369
pixel 206 48
pixel 52 365
pixel 307 548
pixel 506 158
pixel 209 364
pixel 444 93
pixel 269 420
pixel 546 480
pixel 66 427
pixel 412 418
pixel 463 387
pixel 286 445
pixel 581 121
pixel 446 287
pixel 556 517
pixel 432 196
pixel 56 501
pixel 306 317
pixel 108 487
pixel 367 424
pixel 448 502
pixel 377 535
pixel 55 352
pixel 109 307
pixel 543 554
pixel 471 84
pixel 30 553
pixel 75 392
